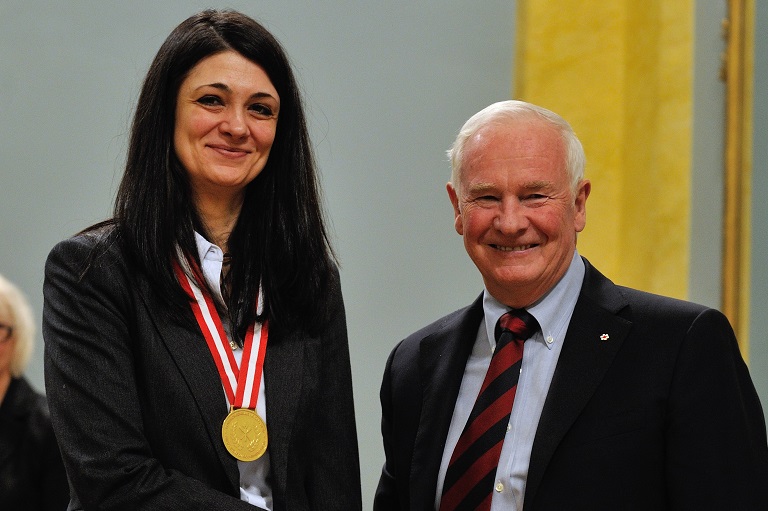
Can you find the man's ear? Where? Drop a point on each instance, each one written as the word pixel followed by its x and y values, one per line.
pixel 580 205
pixel 457 223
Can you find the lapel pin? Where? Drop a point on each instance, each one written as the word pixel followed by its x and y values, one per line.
pixel 604 337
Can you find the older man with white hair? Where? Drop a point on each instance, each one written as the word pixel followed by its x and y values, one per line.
pixel 557 389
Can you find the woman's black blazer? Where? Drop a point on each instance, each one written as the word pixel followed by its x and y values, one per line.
pixel 137 403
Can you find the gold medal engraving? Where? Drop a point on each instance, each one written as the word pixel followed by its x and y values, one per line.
pixel 244 434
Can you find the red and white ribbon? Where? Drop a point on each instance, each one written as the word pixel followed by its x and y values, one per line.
pixel 240 384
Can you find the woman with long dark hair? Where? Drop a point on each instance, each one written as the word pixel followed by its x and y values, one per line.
pixel 196 345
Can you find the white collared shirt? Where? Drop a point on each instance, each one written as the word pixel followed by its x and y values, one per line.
pixel 254 475
pixel 540 356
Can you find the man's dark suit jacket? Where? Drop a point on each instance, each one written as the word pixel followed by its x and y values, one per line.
pixel 32 477
pixel 137 403
pixel 661 415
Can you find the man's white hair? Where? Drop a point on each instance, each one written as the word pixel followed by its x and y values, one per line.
pixel 513 110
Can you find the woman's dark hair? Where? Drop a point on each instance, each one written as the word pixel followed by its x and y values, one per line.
pixel 280 241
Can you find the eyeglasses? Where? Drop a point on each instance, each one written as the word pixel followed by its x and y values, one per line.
pixel 5 332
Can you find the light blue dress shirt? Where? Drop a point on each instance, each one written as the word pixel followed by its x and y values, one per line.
pixel 254 487
pixel 540 354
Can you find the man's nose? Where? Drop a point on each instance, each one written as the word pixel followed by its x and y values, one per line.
pixel 511 217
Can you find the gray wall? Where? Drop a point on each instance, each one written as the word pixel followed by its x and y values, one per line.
pixel 707 178
pixel 704 284
pixel 758 333
pixel 387 85
pixel 709 92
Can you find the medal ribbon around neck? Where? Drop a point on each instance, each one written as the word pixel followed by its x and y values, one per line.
pixel 244 432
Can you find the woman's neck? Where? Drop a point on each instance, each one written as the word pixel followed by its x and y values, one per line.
pixel 219 219
pixel 5 382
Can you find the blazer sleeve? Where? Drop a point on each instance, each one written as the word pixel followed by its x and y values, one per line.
pixel 88 327
pixel 52 477
pixel 716 438
pixel 387 497
pixel 334 467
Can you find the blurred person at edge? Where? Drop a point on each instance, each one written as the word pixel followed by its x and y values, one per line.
pixel 196 344
pixel 31 473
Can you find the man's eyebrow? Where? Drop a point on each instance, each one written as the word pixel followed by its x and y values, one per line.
pixel 480 187
pixel 537 185
pixel 530 185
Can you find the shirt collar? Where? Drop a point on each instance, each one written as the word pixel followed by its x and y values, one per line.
pixel 211 259
pixel 547 310
pixel 207 250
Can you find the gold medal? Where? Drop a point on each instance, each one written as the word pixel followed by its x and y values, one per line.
pixel 243 431
pixel 244 434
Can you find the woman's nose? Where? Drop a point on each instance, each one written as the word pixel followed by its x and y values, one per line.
pixel 234 124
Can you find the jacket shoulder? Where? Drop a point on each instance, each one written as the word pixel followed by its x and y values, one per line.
pixel 93 241
pixel 662 308
pixel 445 324
pixel 94 248
pixel 633 303
pixel 459 323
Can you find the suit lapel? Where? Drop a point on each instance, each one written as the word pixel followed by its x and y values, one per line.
pixel 190 352
pixel 283 370
pixel 594 336
pixel 442 358
pixel 283 379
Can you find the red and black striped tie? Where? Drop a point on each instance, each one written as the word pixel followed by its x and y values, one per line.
pixel 468 484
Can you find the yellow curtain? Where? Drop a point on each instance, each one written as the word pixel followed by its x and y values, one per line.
pixel 621 73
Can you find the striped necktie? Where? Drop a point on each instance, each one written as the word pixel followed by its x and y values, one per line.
pixel 468 484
